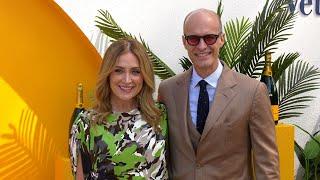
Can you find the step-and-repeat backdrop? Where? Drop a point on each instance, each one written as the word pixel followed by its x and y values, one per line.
pixel 47 47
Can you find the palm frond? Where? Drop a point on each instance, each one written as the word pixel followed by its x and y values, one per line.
pixel 185 63
pixel 107 25
pixel 160 68
pixel 236 35
pixel 298 79
pixel 282 63
pixel 267 31
pixel 29 151
pixel 220 8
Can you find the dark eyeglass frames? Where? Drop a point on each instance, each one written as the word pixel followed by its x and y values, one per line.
pixel 209 39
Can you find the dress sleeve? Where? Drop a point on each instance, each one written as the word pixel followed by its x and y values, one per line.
pixel 78 141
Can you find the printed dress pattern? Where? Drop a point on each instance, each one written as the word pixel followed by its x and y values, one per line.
pixel 125 147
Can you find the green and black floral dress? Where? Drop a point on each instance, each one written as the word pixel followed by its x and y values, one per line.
pixel 125 147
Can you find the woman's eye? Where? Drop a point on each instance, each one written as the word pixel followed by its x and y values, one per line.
pixel 118 70
pixel 136 72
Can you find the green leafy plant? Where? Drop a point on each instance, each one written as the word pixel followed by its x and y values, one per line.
pixel 309 157
pixel 246 44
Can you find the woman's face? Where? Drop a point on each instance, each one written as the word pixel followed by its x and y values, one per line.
pixel 126 80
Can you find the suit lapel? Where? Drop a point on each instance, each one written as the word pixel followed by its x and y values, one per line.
pixel 182 102
pixel 223 96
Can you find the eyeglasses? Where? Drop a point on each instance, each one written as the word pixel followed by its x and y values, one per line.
pixel 194 40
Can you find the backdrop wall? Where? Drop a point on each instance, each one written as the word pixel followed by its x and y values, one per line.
pixel 44 55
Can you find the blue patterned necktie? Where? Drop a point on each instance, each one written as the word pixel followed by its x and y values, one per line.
pixel 203 106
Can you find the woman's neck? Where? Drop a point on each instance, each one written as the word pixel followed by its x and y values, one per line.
pixel 123 106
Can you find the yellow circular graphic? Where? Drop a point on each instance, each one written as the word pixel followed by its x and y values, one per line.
pixel 43 56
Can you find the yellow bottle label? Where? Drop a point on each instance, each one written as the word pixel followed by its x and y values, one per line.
pixel 275 112
pixel 267 71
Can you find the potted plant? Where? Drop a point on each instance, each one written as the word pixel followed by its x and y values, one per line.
pixel 309 156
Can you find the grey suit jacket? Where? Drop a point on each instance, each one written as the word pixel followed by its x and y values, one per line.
pixel 239 121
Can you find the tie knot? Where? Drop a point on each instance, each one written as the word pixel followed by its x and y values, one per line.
pixel 202 84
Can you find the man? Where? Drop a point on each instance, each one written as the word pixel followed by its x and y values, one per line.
pixel 216 115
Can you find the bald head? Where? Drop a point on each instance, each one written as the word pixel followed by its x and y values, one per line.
pixel 199 14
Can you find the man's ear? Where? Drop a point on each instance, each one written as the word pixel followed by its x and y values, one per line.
pixel 222 40
pixel 184 41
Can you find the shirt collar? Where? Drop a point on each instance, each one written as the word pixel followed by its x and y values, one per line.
pixel 212 79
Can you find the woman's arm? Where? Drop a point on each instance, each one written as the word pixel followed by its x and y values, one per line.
pixel 79 173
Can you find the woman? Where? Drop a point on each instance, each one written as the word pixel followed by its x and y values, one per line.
pixel 124 135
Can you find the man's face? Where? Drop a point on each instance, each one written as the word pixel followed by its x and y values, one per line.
pixel 204 57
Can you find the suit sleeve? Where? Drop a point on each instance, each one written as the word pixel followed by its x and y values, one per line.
pixel 263 139
pixel 160 93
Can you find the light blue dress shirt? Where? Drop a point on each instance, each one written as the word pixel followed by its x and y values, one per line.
pixel 194 89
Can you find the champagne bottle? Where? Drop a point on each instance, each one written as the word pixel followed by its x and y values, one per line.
pixel 79 106
pixel 266 78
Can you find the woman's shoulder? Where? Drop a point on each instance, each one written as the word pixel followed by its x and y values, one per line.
pixel 85 117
